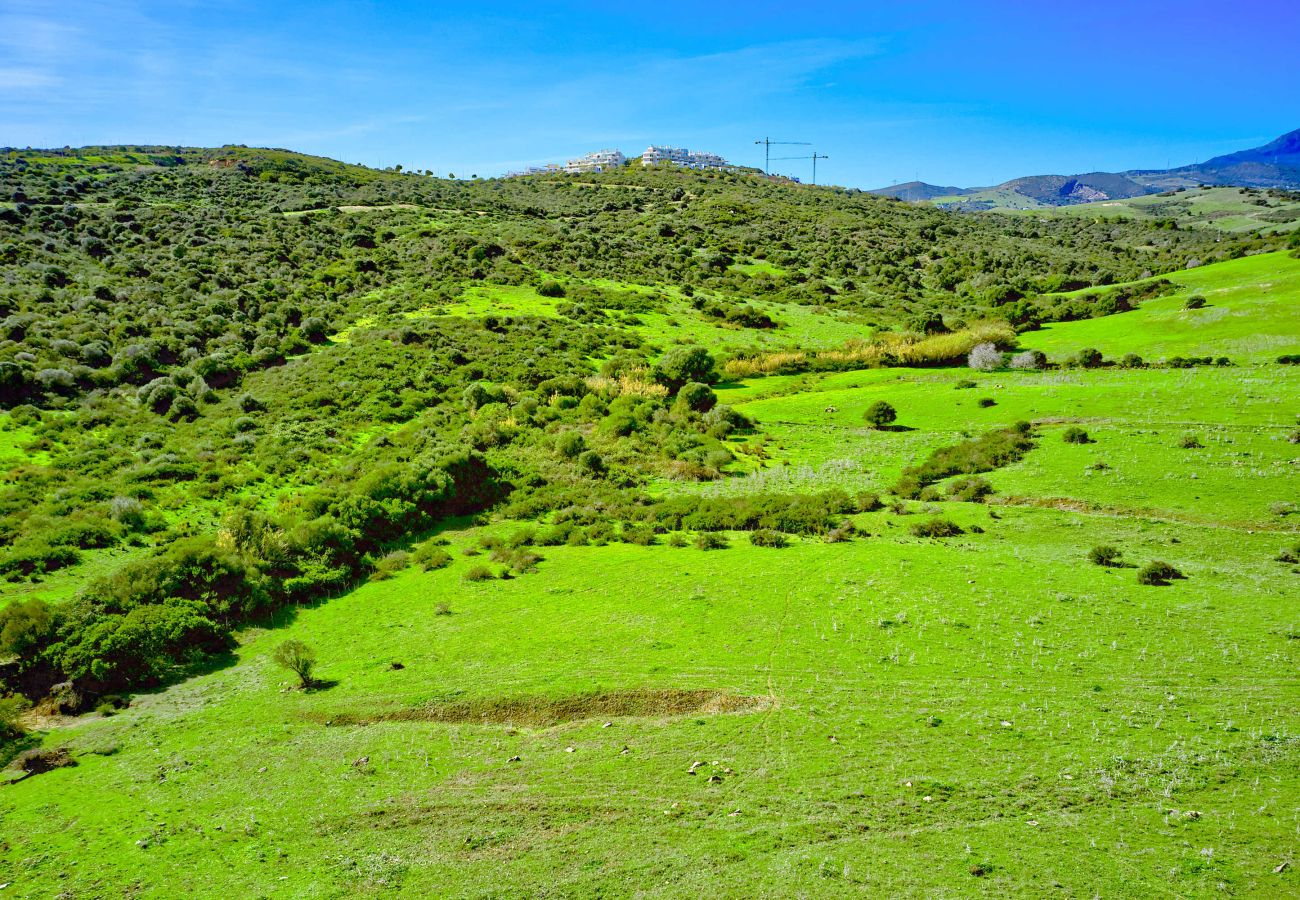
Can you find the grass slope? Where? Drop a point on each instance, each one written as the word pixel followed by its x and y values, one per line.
pixel 1252 315
pixel 925 711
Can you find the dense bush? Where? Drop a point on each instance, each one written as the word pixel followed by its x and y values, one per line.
pixel 710 540
pixel 1103 555
pixel 1158 573
pixel 1075 435
pixel 766 537
pixel 972 489
pixel 935 528
pixel 880 414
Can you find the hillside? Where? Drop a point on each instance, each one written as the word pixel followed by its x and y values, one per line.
pixel 1237 210
pixel 613 568
pixel 1272 165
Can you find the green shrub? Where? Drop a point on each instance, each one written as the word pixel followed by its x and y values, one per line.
pixel 971 489
pixel 986 402
pixel 1103 555
pixel 766 537
pixel 1158 572
pixel 390 565
pixel 880 414
pixel 569 444
pixel 1088 358
pixel 711 540
pixel 1131 361
pixel 429 556
pixel 1190 442
pixel 1194 302
pixel 36 557
pixel 964 384
pixel 551 289
pixel 1075 435
pixel 1288 555
pixel 298 658
pixel 936 527
pixel 11 708
pixel 682 365
pixel 479 573
pixel 867 501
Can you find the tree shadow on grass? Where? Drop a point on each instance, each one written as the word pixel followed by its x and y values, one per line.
pixel 896 428
pixel 318 685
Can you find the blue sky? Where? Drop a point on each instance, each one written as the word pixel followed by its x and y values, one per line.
pixel 955 93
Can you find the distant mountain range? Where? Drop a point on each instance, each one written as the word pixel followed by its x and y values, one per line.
pixel 1274 165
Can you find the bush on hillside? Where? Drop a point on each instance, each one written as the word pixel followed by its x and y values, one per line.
pixel 766 537
pixel 298 658
pixel 985 453
pixel 880 414
pixel 429 557
pixel 935 528
pixel 972 489
pixel 711 540
pixel 1104 555
pixel 1075 435
pixel 1157 573
pixel 478 573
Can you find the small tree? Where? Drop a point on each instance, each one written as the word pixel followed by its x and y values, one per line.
pixel 1075 435
pixel 298 658
pixel 880 414
pixel 985 357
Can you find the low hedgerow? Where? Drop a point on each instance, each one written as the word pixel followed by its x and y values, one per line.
pixel 989 451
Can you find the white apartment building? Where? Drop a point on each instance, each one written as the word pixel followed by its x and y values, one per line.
pixel 680 156
pixel 599 161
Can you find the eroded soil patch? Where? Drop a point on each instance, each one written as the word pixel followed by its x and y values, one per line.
pixel 545 711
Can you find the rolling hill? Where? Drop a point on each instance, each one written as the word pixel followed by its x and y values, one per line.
pixel 1273 165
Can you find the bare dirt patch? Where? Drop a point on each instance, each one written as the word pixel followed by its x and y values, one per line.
pixel 546 711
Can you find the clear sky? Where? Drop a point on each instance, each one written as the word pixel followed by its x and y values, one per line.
pixel 963 93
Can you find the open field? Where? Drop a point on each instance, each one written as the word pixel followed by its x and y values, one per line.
pixel 1222 208
pixel 1249 316
pixel 921 711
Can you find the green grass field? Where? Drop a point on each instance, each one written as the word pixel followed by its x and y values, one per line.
pixel 1250 316
pixel 1221 208
pixel 984 715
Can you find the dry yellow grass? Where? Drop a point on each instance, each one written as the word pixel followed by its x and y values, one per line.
pixel 885 349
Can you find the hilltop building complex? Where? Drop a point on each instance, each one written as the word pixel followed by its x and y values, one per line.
pixel 608 160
